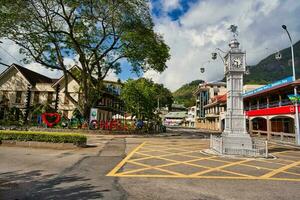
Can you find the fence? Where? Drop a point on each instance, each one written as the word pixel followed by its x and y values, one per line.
pixel 259 148
pixel 276 136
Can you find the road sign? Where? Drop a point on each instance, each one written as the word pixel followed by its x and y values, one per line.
pixel 294 98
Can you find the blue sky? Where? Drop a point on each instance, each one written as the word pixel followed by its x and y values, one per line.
pixel 158 11
pixel 175 13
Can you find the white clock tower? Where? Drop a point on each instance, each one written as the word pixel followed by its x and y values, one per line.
pixel 235 136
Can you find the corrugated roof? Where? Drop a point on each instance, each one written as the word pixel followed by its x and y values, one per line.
pixel 176 115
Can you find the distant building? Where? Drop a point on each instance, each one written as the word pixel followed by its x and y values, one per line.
pixel 191 117
pixel 215 113
pixel 211 105
pixel 175 118
pixel 205 94
pixel 19 84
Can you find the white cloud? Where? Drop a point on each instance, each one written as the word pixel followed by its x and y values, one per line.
pixel 203 28
pixel 169 5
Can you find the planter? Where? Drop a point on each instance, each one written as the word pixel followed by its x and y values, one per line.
pixel 34 144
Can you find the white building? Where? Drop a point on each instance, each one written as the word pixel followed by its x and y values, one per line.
pixel 191 117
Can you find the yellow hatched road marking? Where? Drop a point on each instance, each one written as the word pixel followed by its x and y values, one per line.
pixel 220 167
pixel 146 167
pixel 120 165
pixel 207 177
pixel 276 171
pixel 184 149
pixel 165 155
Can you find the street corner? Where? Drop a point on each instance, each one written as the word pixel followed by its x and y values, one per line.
pixel 179 159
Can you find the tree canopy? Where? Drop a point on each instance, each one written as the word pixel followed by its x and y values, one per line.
pixel 141 97
pixel 95 34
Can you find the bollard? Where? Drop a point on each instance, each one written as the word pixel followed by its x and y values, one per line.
pixel 266 146
pixel 210 141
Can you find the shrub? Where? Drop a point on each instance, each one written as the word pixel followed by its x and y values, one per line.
pixel 74 138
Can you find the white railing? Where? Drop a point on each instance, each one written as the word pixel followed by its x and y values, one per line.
pixel 259 148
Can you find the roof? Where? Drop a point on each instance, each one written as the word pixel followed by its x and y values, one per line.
pixel 276 89
pixel 219 99
pixel 174 105
pixel 203 86
pixel 176 115
pixel 31 76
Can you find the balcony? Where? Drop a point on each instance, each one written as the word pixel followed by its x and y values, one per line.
pixel 272 104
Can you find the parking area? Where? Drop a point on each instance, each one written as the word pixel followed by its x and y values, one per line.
pixel 186 159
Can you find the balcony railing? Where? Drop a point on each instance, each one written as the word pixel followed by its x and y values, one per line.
pixel 270 105
pixel 286 102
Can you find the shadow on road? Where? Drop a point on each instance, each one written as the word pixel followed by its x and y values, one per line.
pixel 34 185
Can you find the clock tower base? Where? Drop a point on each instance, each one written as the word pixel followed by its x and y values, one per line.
pixel 236 143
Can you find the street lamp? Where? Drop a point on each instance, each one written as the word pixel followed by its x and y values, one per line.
pixel 295 89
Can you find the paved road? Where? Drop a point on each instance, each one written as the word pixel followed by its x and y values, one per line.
pixel 81 174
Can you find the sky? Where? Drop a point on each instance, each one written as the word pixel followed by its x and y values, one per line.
pixel 193 29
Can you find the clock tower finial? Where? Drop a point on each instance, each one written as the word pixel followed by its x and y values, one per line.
pixel 234 44
pixel 233 30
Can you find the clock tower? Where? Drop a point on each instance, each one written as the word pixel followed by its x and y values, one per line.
pixel 235 136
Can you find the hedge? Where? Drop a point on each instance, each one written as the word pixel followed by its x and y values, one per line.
pixel 74 138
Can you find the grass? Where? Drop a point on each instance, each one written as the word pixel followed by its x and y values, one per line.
pixel 74 138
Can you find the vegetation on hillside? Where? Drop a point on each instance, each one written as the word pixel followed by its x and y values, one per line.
pixel 269 69
pixel 184 95
pixel 266 71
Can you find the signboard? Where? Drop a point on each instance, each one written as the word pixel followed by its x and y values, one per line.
pixel 269 86
pixel 294 98
pixel 272 111
pixel 93 114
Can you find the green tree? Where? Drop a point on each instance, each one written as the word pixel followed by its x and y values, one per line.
pixel 96 34
pixel 141 96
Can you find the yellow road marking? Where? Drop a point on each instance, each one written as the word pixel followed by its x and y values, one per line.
pixel 276 171
pixel 165 155
pixel 220 167
pixel 147 147
pixel 146 167
pixel 291 173
pixel 265 161
pixel 120 165
pixel 258 167
pixel 289 156
pixel 208 177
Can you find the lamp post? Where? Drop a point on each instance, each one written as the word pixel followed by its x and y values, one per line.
pixel 297 133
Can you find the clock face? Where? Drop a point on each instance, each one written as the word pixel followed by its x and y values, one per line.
pixel 237 62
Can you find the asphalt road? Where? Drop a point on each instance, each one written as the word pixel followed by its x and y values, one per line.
pixel 27 173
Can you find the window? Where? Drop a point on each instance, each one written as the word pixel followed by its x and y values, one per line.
pixel 18 96
pixel 36 98
pixel 50 97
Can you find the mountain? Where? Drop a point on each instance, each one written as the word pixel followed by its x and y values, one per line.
pixel 184 95
pixel 269 69
pixel 266 71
